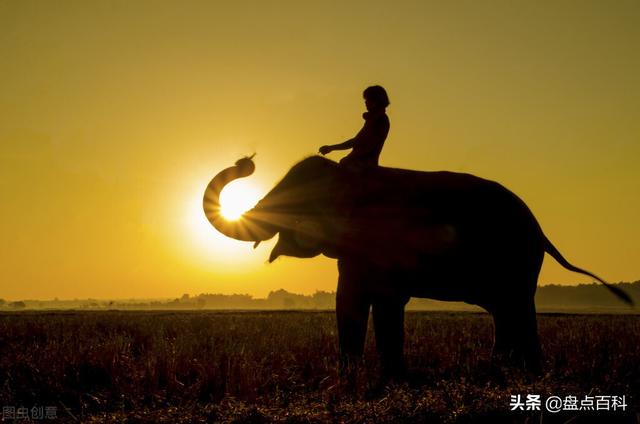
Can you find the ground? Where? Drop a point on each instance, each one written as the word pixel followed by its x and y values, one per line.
pixel 204 366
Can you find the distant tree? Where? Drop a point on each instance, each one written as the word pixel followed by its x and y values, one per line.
pixel 17 305
pixel 2 302
pixel 288 303
pixel 324 300
pixel 185 297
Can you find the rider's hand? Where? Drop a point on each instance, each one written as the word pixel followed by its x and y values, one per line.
pixel 325 149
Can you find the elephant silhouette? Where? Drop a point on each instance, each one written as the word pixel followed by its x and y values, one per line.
pixel 398 234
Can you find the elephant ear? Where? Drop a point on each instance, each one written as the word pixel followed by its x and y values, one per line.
pixel 301 242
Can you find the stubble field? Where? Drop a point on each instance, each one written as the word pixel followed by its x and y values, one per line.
pixel 206 366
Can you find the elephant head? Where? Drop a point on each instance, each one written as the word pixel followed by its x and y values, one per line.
pixel 300 209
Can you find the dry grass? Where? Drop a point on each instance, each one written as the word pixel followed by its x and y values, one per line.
pixel 281 366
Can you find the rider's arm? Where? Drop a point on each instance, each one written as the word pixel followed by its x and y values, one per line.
pixel 342 146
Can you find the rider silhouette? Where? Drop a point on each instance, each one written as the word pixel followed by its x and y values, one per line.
pixel 367 144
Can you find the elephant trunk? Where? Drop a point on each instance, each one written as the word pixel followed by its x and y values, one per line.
pixel 249 227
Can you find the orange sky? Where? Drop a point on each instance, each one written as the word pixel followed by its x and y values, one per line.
pixel 115 115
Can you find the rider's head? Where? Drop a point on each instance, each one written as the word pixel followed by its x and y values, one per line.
pixel 375 97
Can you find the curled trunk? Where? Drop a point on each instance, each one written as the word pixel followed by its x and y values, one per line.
pixel 250 226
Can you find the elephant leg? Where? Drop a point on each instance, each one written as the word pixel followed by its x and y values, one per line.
pixel 388 321
pixel 530 342
pixel 503 342
pixel 352 312
pixel 516 335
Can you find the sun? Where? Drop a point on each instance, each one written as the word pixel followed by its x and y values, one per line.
pixel 236 198
pixel 203 248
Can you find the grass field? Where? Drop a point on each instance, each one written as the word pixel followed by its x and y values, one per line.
pixel 282 366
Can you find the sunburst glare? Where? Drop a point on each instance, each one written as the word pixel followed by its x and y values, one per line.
pixel 237 198
pixel 207 245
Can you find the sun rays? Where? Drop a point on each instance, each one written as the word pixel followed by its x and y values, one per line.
pixel 236 198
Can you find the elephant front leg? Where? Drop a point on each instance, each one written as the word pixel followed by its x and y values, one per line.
pixel 352 311
pixel 388 321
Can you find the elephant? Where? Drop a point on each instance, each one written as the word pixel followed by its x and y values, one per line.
pixel 397 234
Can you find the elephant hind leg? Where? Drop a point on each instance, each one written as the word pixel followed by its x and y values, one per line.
pixel 516 335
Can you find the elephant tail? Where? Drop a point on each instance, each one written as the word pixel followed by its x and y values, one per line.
pixel 551 249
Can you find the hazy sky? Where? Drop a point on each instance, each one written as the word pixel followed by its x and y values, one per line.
pixel 114 115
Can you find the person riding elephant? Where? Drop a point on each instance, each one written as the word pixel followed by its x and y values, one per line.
pixel 367 144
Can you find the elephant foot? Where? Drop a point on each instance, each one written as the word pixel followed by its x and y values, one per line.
pixel 504 368
pixel 529 360
pixel 394 372
pixel 349 369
